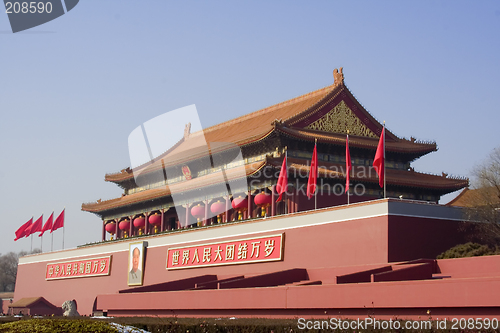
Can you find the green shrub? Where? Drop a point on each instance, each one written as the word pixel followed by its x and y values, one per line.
pixel 469 250
pixel 57 326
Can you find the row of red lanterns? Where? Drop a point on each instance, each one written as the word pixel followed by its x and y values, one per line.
pixel 139 222
pixel 218 208
pixel 239 204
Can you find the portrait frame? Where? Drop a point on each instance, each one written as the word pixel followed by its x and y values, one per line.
pixel 136 279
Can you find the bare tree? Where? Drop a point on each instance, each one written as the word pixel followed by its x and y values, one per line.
pixel 487 175
pixel 485 204
pixel 8 269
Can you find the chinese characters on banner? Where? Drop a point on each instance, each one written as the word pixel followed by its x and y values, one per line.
pixel 78 268
pixel 243 251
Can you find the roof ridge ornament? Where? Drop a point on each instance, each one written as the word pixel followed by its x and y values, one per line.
pixel 277 122
pixel 338 76
pixel 187 131
pixel 126 171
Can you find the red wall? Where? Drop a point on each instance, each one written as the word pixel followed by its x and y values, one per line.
pixel 461 293
pixel 369 241
pixel 5 306
pixel 347 243
pixel 475 267
pixel 38 309
pixel 335 244
pixel 31 283
pixel 413 238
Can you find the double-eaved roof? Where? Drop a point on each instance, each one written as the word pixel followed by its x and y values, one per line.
pixel 325 114
pixel 300 117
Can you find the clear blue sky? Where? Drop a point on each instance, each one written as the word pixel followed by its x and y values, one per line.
pixel 73 89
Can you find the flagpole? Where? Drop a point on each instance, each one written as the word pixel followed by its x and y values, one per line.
pixel 286 188
pixel 31 247
pixel 41 239
pixel 51 242
pixel 385 176
pixel 347 189
pixel 317 171
pixel 64 218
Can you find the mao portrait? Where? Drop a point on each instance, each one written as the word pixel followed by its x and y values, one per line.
pixel 135 264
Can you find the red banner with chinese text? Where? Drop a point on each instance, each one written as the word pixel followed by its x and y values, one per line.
pixel 243 251
pixel 78 268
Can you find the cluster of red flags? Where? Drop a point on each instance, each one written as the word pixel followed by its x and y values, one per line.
pixel 31 227
pixel 378 164
pixel 282 184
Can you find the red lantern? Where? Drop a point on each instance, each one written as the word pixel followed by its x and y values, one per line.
pixel 111 228
pixel 155 220
pixel 125 226
pixel 139 223
pixel 240 204
pixel 263 200
pixel 218 208
pixel 198 212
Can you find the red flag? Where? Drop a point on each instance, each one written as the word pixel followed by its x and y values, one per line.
pixel 282 180
pixel 313 175
pixel 59 222
pixel 35 227
pixel 348 164
pixel 379 160
pixel 48 225
pixel 21 232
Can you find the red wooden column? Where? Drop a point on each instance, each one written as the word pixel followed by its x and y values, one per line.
pixel 284 198
pixel 146 223
pixel 103 230
pixel 205 222
pixel 296 194
pixel 122 232
pixel 250 201
pixel 131 232
pixel 117 232
pixel 228 203
pixel 289 204
pixel 273 200
pixel 297 198
pixel 187 216
pixel 162 219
